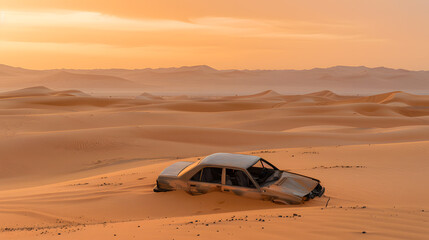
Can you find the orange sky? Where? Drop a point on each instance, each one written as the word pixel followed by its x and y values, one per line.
pixel 224 34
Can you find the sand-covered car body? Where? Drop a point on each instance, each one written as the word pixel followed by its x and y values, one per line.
pixel 244 175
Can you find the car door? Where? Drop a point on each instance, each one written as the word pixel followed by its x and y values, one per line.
pixel 238 182
pixel 208 179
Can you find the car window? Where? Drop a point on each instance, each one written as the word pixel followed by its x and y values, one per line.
pixel 208 174
pixel 197 176
pixel 238 178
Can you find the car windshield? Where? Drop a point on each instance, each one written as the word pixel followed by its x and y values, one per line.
pixel 263 172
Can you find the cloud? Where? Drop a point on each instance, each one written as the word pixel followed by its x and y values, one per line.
pixel 279 29
pixel 230 23
pixel 88 20
pixel 79 26
pixel 319 36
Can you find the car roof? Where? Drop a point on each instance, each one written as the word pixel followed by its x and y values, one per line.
pixel 230 160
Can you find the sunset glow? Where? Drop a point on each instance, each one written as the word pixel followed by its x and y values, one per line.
pixel 243 34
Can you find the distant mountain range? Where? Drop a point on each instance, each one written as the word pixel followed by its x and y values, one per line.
pixel 205 79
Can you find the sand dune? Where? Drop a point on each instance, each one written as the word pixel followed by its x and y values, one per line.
pixel 31 91
pixel 361 206
pixel 64 80
pixel 10 71
pixel 116 130
pixel 148 96
pixel 41 91
pixel 106 146
pixel 204 80
pixel 270 94
pixel 83 165
pixel 327 94
pixel 180 97
pixel 409 99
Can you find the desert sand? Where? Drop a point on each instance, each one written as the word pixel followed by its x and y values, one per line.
pixel 79 165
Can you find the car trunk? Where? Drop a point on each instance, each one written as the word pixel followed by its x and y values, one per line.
pixel 175 169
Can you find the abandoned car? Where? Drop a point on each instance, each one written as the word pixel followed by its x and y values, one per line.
pixel 244 175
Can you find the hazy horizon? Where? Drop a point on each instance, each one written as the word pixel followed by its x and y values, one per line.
pixel 220 69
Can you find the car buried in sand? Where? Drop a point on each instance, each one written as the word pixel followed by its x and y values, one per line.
pixel 244 175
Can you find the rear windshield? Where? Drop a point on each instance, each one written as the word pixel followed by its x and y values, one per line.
pixel 189 167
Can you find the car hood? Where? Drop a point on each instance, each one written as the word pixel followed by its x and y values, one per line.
pixel 292 183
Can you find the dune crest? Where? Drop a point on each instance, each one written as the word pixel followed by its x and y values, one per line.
pixel 30 90
pixel 398 97
pixel 324 93
pixel 64 79
pixel 263 94
pixel 148 96
pixel 41 91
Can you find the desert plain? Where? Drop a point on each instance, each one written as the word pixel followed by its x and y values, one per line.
pixel 80 151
